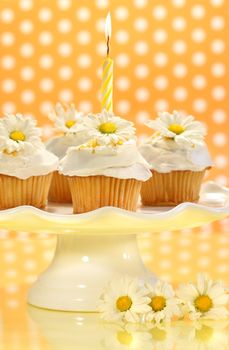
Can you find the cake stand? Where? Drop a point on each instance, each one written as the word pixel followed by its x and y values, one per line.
pixel 94 247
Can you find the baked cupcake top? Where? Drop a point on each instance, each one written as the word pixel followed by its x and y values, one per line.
pixel 22 153
pixel 68 121
pixel 177 144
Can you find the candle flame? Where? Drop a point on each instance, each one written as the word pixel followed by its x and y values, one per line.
pixel 108 26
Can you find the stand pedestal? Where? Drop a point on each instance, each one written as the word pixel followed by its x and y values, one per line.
pixel 82 266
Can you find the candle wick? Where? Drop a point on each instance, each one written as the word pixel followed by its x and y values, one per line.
pixel 108 45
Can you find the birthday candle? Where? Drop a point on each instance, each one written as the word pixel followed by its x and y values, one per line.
pixel 107 78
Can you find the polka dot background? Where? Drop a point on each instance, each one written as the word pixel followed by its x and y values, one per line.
pixel 168 55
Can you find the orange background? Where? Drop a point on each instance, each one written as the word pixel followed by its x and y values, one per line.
pixel 168 55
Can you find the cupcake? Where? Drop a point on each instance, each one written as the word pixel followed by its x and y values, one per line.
pixel 69 122
pixel 108 170
pixel 26 167
pixel 178 158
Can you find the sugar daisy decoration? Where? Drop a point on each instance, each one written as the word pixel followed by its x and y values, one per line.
pixel 66 118
pixel 124 300
pixel 18 133
pixel 205 299
pixel 185 131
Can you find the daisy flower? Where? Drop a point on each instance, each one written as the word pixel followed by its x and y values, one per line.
pixel 185 131
pixel 18 133
pixel 124 300
pixel 204 300
pixel 109 128
pixel 163 303
pixel 66 118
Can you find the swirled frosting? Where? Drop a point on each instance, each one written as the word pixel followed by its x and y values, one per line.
pixel 123 162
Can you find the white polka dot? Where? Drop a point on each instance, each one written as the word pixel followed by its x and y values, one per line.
pixel 7 15
pixel 122 60
pixel 159 12
pixel 180 70
pixel 218 69
pixel 222 180
pixel 45 14
pixel 8 62
pixel 184 270
pixel 121 13
pixel 46 85
pixel 27 73
pixel 203 261
pixel 199 82
pixel 217 23
pixel 101 48
pixel 30 279
pixel 204 247
pixel 84 84
pixel 26 26
pixel 219 139
pixel 64 26
pixel 217 3
pixel 45 38
pixel 26 5
pixel 178 3
pixel 160 59
pixel 180 93
pixel 223 253
pixel 141 71
pixel 221 161
pixel 160 36
pixel 142 94
pixel 100 25
pixel 223 268
pixel 123 106
pixel 83 14
pixel 84 60
pixel 30 265
pixel 200 105
pixel 27 96
pixel 64 4
pixel 122 36
pixel 141 48
pixel 101 4
pixel 8 85
pixel 46 107
pixel 140 24
pixel 198 35
pixel 184 256
pixel 199 58
pixel 8 107
pixel 7 39
pixel 123 83
pixel 12 303
pixel 65 72
pixel 99 72
pixel 85 106
pixel 140 3
pixel 11 273
pixel 65 49
pixel 179 47
pixel 219 93
pixel 198 11
pixel 141 118
pixel 9 257
pixel 66 95
pixel 161 82
pixel 46 61
pixel 12 288
pixel 165 264
pixel 165 249
pixel 218 46
pixel 26 50
pixel 219 116
pixel 47 129
pixel 179 24
pixel 83 37
pixel 161 105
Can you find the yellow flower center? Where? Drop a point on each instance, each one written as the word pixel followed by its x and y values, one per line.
pixel 69 123
pixel 123 303
pixel 107 128
pixel 124 338
pixel 176 128
pixel 203 303
pixel 158 334
pixel 157 303
pixel 17 135
pixel 204 334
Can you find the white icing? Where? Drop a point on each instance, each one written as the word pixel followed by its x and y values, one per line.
pixel 123 162
pixel 60 144
pixel 24 165
pixel 165 156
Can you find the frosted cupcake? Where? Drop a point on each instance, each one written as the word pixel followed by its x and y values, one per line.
pixel 69 122
pixel 178 158
pixel 108 170
pixel 26 167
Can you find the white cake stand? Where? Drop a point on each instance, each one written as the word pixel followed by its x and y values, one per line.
pixel 94 247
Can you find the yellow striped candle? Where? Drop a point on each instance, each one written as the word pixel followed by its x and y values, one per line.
pixel 107 79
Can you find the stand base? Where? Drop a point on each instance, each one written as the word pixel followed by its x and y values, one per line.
pixel 82 266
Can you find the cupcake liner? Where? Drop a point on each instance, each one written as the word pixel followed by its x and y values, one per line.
pixel 92 192
pixel 32 191
pixel 170 189
pixel 59 190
